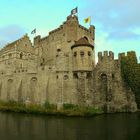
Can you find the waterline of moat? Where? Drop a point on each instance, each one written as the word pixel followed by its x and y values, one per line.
pixel 51 109
pixel 123 126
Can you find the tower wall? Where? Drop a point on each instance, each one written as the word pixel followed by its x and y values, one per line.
pixel 82 58
pixel 110 86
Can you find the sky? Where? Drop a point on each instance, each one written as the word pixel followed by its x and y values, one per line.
pixel 117 22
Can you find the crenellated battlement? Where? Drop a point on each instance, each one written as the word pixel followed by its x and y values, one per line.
pixel 69 18
pixel 105 56
pixel 83 28
pixel 131 53
pixel 128 54
pixel 121 55
pixel 56 30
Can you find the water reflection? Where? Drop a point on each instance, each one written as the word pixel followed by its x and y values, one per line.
pixel 104 127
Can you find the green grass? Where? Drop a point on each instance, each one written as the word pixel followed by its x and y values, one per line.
pixel 75 110
pixel 49 109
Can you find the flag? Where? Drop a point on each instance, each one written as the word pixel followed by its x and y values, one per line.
pixel 87 20
pixel 74 11
pixel 34 31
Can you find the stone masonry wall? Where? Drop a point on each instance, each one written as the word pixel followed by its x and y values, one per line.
pixel 49 71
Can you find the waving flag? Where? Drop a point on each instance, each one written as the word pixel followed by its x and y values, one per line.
pixel 74 11
pixel 87 20
pixel 34 31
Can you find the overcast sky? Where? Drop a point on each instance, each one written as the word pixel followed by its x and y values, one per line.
pixel 117 22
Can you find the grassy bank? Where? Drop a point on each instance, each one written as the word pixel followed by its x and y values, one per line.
pixel 49 109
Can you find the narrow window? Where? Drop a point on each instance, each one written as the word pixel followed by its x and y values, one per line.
pixel 21 55
pixel 89 53
pixel 82 54
pixel 89 75
pixel 113 76
pixel 75 54
pixel 75 76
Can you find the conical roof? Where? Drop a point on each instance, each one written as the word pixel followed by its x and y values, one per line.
pixel 82 42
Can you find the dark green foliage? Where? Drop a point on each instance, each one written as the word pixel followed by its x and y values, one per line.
pixel 131 74
pixel 69 106
pixel 75 110
pixel 47 105
pixel 49 109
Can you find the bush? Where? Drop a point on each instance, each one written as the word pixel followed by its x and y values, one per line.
pixel 92 111
pixel 48 109
pixel 69 106
pixel 47 105
pixel 130 70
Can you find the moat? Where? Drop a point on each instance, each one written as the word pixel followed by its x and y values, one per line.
pixel 15 126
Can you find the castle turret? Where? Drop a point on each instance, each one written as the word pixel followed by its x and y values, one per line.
pixel 105 57
pixel 92 30
pixel 83 59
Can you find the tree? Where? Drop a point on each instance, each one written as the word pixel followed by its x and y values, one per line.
pixel 131 74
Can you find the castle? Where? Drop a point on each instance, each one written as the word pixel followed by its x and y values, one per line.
pixel 60 68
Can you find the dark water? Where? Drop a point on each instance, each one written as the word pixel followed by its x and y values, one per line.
pixel 103 127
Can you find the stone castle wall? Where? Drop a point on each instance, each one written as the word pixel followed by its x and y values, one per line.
pixel 50 71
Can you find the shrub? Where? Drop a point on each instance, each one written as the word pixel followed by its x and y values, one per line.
pixel 130 70
pixel 69 106
pixel 47 105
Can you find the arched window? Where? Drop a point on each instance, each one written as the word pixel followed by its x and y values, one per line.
pixel 33 79
pixel 33 89
pixel 10 80
pixel 21 55
pixel 85 38
pixel 103 77
pixel 66 77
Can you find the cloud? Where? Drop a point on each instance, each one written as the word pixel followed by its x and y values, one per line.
pixel 123 34
pixel 10 33
pixel 102 43
pixel 118 17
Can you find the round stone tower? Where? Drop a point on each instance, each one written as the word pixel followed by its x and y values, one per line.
pixel 83 55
